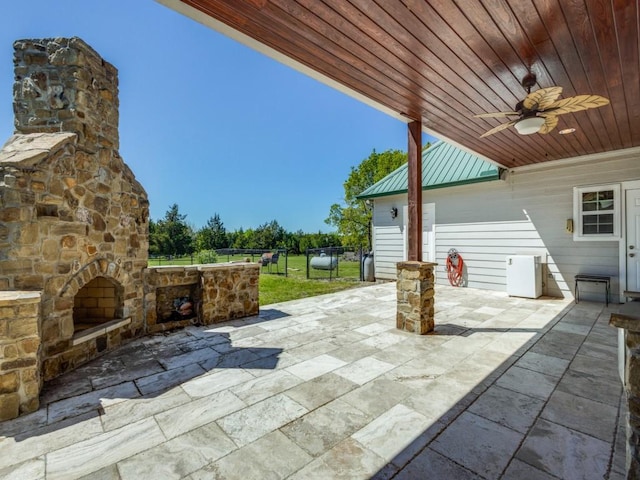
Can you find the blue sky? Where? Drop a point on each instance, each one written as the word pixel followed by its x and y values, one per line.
pixel 206 122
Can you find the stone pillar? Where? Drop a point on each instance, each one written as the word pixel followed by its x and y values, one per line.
pixel 19 353
pixel 63 85
pixel 415 297
pixel 629 320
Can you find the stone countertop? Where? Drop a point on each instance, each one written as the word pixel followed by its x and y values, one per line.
pixel 628 317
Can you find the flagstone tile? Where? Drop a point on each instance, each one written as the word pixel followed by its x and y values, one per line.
pixel 320 390
pixel 558 344
pixel 442 399
pixel 351 353
pixel 595 366
pixel 120 414
pixel 603 390
pixel 85 457
pixel 376 397
pixel 140 369
pixel 106 473
pixel 265 386
pixel 546 364
pixel 179 456
pixel 20 448
pixel 310 350
pixel 415 374
pixel 430 464
pixel 166 379
pixel 95 400
pixel 383 340
pixel 23 424
pixel 518 470
pixel 526 381
pixel 506 407
pixel 597 350
pixel 491 450
pixel 273 456
pixel 33 469
pixel 195 356
pixel 183 418
pixel 346 461
pixel 314 367
pixel 388 434
pixel 233 359
pixel 318 431
pixel 255 421
pixel 375 328
pixel 582 414
pixel 215 382
pixel 345 338
pixel 65 386
pixel 364 370
pixel 563 452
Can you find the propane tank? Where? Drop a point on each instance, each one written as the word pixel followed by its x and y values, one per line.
pixel 367 268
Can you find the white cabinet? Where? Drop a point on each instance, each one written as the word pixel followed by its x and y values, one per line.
pixel 524 276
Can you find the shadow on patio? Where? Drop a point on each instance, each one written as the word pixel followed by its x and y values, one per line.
pixel 505 388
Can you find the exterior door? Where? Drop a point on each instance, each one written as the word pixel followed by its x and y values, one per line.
pixel 428 234
pixel 633 237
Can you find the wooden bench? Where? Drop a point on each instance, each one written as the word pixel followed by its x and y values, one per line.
pixel 593 279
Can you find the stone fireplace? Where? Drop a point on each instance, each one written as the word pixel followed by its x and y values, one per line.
pixel 74 219
pixel 74 227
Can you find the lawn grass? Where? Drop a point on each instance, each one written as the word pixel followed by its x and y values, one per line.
pixel 278 288
pixel 275 287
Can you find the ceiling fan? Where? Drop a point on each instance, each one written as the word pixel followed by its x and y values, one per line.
pixel 538 112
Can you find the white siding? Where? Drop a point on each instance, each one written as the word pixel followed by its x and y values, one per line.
pixel 526 214
pixel 389 235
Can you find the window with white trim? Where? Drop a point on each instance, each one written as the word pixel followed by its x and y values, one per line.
pixel 596 212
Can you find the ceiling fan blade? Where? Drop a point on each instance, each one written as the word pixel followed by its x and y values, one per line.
pixel 496 115
pixel 499 128
pixel 541 99
pixel 550 122
pixel 577 103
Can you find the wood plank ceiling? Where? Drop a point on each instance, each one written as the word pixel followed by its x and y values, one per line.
pixel 442 61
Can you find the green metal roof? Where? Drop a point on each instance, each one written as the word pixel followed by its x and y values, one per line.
pixel 443 165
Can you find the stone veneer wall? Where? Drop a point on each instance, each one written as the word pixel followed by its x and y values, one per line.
pixel 19 348
pixel 219 292
pixel 70 208
pixel 63 85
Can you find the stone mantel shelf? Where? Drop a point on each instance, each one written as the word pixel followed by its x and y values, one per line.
pixel 13 297
pixel 102 329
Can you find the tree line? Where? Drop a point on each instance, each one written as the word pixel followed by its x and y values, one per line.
pixel 173 235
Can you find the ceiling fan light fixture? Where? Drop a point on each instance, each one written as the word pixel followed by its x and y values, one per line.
pixel 529 125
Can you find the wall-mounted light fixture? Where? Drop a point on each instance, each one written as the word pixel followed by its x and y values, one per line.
pixel 394 212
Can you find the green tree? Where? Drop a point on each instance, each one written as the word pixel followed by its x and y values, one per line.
pixel 213 235
pixel 172 235
pixel 353 218
pixel 269 235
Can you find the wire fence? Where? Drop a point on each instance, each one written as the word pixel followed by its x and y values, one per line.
pixel 328 263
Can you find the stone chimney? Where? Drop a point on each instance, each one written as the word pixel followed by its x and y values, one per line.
pixel 63 85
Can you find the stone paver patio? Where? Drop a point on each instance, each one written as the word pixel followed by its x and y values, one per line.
pixel 327 388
